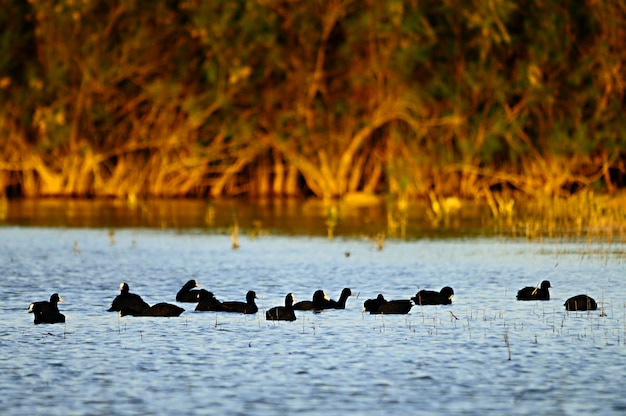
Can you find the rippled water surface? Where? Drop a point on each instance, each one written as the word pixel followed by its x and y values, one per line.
pixel 436 360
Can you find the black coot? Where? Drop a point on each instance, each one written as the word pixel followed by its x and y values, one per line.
pixel 47 312
pixel 388 307
pixel 130 302
pixel 581 303
pixel 372 305
pixel 160 309
pixel 247 307
pixel 343 297
pixel 282 313
pixel 431 297
pixel 535 293
pixel 207 302
pixel 320 301
pixel 187 294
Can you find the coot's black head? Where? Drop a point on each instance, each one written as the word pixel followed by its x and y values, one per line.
pixel 319 296
pixel 372 305
pixel 124 287
pixel 55 298
pixel 191 284
pixel 346 292
pixel 545 285
pixel 447 292
pixel 289 300
pixel 250 296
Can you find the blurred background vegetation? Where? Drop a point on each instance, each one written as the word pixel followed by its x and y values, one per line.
pixel 325 98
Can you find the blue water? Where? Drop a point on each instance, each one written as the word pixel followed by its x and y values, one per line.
pixel 435 360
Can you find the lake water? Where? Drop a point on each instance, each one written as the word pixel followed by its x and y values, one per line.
pixel 435 360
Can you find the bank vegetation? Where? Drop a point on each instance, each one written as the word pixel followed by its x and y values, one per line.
pixel 485 100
